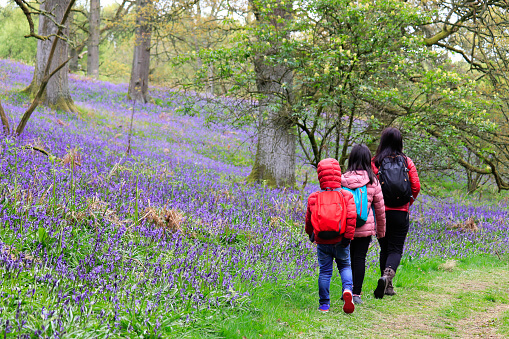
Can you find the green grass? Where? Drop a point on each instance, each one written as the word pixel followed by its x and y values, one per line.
pixel 504 328
pixel 434 299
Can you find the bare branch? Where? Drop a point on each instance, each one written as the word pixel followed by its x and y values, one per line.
pixel 5 120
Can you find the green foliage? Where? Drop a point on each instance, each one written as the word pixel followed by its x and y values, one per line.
pixel 13 28
pixel 115 57
pixel 356 68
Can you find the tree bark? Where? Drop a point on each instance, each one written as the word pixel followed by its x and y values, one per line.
pixel 211 79
pixel 275 152
pixel 93 41
pixel 56 94
pixel 276 149
pixel 74 63
pixel 73 53
pixel 138 85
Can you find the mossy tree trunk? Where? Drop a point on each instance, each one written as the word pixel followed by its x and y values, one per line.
pixel 275 153
pixel 276 149
pixel 56 93
pixel 138 85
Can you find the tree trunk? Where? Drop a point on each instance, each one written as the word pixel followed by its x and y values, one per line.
pixel 275 153
pixel 73 53
pixel 276 149
pixel 93 40
pixel 74 65
pixel 138 85
pixel 56 93
pixel 211 79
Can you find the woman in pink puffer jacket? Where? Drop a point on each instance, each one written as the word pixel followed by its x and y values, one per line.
pixel 359 173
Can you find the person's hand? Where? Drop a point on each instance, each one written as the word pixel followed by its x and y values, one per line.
pixel 345 242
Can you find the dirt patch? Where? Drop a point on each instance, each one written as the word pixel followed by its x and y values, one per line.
pixel 422 322
pixel 448 266
pixel 473 280
pixel 484 325
pixel 424 319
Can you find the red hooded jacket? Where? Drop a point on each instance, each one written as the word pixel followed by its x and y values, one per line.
pixel 415 184
pixel 329 175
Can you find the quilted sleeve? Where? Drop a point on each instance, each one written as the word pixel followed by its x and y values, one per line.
pixel 373 167
pixel 414 179
pixel 309 225
pixel 378 203
pixel 351 215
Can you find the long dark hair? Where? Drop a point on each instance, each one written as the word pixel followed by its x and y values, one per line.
pixel 360 160
pixel 391 143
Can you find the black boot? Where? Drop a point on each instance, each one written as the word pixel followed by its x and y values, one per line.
pixel 383 282
pixel 380 287
pixel 389 272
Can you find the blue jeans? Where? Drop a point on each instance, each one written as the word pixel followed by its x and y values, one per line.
pixel 326 254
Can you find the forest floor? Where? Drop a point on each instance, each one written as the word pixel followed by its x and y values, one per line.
pixel 435 299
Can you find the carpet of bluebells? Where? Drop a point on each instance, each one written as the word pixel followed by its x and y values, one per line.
pixel 98 242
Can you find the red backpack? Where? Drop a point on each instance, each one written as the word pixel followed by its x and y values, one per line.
pixel 329 216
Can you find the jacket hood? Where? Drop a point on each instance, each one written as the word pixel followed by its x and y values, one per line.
pixel 355 179
pixel 329 173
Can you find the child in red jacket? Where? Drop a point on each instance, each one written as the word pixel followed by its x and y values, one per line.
pixel 338 248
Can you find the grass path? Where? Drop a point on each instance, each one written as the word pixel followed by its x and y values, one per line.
pixel 436 299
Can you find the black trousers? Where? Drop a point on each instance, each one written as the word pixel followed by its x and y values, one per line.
pixel 391 246
pixel 358 250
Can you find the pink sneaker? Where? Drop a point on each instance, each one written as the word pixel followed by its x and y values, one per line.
pixel 349 306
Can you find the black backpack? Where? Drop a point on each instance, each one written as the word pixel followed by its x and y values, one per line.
pixel 395 182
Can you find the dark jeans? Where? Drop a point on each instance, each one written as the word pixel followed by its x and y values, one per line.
pixel 358 250
pixel 391 246
pixel 326 255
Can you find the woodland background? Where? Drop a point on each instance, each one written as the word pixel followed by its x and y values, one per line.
pixel 156 157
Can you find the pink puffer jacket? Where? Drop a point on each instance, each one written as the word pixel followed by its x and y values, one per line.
pixel 355 179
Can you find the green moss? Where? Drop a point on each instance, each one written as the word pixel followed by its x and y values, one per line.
pixel 260 174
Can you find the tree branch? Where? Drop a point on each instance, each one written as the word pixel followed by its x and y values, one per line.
pixel 28 15
pixel 5 120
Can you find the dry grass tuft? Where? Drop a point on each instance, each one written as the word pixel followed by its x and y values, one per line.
pixel 167 219
pixel 468 225
pixel 38 143
pixel 14 255
pixel 223 195
pixel 99 207
pixel 72 158
pixel 61 123
pixel 96 208
pixel 10 251
pixel 448 266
